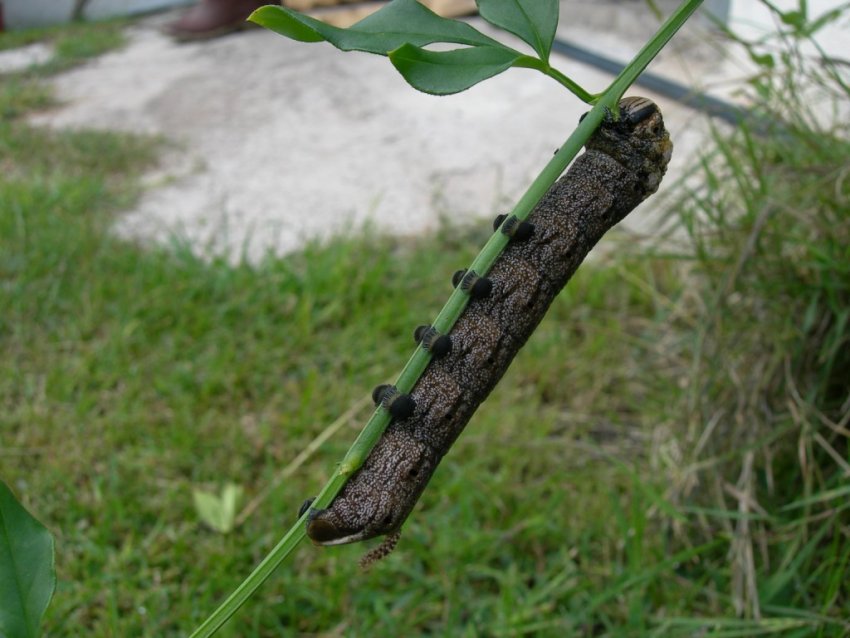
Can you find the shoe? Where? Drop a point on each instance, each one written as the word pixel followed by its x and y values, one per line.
pixel 212 18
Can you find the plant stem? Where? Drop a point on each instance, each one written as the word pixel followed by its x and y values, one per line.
pixel 584 96
pixel 455 305
pixel 257 577
pixel 530 62
pixel 652 48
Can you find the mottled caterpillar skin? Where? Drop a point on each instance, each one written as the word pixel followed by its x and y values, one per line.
pixel 624 162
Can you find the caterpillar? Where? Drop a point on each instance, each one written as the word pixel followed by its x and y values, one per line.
pixel 623 164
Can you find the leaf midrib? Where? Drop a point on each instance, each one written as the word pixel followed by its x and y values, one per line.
pixel 540 48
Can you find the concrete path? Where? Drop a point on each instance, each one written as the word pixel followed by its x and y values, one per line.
pixel 275 141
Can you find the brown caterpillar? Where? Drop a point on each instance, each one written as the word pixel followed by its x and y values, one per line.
pixel 624 162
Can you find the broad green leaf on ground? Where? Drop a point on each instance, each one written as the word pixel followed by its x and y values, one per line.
pixel 399 22
pixel 27 575
pixel 218 511
pixel 534 21
pixel 447 72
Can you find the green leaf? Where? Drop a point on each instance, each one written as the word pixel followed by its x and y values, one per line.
pixel 27 573
pixel 399 22
pixel 447 72
pixel 810 28
pixel 534 21
pixel 764 60
pixel 218 511
pixel 795 19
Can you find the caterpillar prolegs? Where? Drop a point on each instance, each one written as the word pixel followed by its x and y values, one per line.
pixel 623 164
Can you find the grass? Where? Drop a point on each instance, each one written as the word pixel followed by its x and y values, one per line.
pixel 666 457
pixel 71 45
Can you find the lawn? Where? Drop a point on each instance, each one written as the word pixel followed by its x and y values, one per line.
pixel 668 456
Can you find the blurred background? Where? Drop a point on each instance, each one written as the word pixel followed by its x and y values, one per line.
pixel 211 251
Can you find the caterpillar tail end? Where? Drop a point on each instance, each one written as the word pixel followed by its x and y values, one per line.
pixel 381 551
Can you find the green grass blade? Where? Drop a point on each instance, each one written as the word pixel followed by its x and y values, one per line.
pixel 820 497
pixel 731 627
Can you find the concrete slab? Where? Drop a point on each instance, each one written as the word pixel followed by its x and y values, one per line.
pixel 14 60
pixel 277 141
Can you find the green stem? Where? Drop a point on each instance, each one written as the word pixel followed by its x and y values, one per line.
pixel 530 62
pixel 652 48
pixel 453 308
pixel 584 96
pixel 257 577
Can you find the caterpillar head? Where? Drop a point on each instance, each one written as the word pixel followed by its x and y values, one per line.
pixel 637 139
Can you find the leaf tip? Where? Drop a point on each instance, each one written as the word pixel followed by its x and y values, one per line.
pixel 259 16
